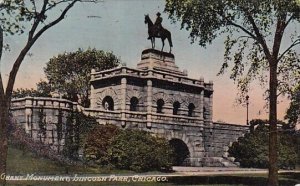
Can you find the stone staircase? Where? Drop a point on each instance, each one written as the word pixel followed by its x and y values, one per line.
pixel 219 162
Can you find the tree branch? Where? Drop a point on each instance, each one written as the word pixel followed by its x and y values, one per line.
pixel 56 3
pixel 295 43
pixel 37 19
pixel 30 42
pixel 278 34
pixel 243 29
pixel 289 20
pixel 260 38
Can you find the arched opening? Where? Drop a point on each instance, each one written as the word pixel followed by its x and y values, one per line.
pixel 176 106
pixel 160 103
pixel 191 108
pixel 181 152
pixel 108 103
pixel 134 104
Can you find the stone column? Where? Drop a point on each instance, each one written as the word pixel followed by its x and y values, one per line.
pixel 92 96
pixel 123 101
pixel 201 105
pixel 149 103
pixel 28 113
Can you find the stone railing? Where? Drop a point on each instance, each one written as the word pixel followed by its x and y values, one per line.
pixel 176 119
pixel 125 71
pixel 130 115
pixel 103 114
pixel 45 102
pixel 142 117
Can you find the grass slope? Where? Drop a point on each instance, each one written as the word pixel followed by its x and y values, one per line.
pixel 21 162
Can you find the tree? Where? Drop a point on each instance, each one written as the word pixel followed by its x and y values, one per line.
pixel 259 41
pixel 78 126
pixel 13 14
pixel 252 149
pixel 43 90
pixel 69 73
pixel 293 112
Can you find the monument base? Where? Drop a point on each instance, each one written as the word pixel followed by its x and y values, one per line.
pixel 152 59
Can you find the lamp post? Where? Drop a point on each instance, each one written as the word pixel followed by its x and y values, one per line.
pixel 247 104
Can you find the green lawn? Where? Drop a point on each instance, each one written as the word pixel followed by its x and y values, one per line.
pixel 20 162
pixel 23 163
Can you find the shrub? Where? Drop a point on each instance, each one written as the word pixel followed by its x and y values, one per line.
pixel 139 151
pixel 252 149
pixel 98 141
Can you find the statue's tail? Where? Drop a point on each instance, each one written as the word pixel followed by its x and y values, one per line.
pixel 170 40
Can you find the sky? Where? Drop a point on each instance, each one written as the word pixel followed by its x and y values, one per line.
pixel 118 26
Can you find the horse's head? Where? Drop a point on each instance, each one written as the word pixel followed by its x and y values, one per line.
pixel 147 18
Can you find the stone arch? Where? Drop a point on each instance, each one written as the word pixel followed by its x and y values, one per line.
pixel 176 107
pixel 179 135
pixel 134 93
pixel 160 95
pixel 134 101
pixel 108 103
pixel 191 110
pixel 107 92
pixel 190 99
pixel 181 152
pixel 160 104
pixel 176 98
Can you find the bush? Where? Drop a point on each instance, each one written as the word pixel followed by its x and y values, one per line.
pixel 139 151
pixel 98 141
pixel 252 149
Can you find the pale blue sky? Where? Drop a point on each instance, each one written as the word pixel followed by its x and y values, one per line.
pixel 118 26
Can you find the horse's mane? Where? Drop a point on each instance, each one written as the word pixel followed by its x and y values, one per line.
pixel 149 19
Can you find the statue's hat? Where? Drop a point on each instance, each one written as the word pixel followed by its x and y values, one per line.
pixel 158 14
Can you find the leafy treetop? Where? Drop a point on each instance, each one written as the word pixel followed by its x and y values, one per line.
pixel 254 31
pixel 69 73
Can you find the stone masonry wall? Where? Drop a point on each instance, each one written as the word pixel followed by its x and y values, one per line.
pixel 220 136
pixel 208 144
pixel 44 119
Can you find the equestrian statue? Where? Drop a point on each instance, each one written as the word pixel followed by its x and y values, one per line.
pixel 157 31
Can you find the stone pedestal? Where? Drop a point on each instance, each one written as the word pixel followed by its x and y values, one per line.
pixel 152 59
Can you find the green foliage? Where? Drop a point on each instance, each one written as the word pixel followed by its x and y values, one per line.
pixel 43 90
pixel 12 16
pixel 78 126
pixel 253 30
pixel 293 111
pixel 252 149
pixel 98 141
pixel 258 45
pixel 69 73
pixel 135 150
pixel 139 151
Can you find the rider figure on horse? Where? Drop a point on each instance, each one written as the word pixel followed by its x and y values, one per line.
pixel 157 25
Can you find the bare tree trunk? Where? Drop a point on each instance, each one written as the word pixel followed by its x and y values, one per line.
pixel 4 119
pixel 273 143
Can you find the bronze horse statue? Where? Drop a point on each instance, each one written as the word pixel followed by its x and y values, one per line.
pixel 154 33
